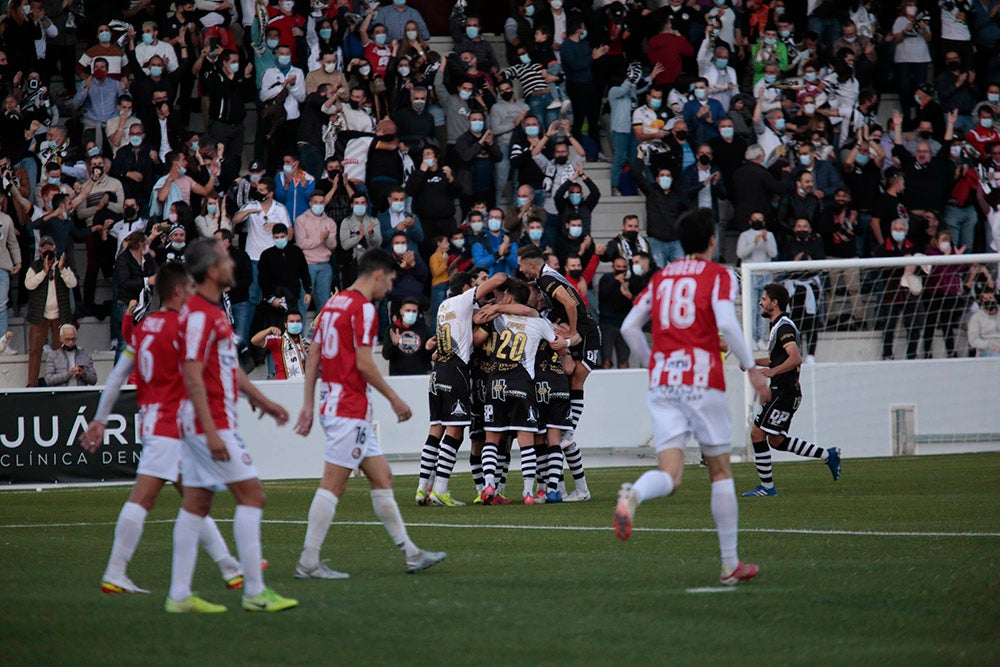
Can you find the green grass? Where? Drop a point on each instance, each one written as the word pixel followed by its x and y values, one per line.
pixel 514 596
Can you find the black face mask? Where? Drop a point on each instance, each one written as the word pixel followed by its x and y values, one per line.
pixel 681 135
pixel 255 195
pixel 803 236
pixel 619 272
pixel 131 213
pixel 989 307
pixel 631 236
pixel 704 160
pixel 756 224
pixel 924 134
pixel 507 95
pixel 355 105
pixel 576 273
pixel 69 348
pixel 561 160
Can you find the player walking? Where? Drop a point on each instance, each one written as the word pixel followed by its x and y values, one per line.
pixel 341 357
pixel 689 302
pixel 450 391
pixel 213 454
pixel 159 391
pixel 770 426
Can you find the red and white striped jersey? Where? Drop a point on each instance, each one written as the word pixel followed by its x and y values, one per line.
pixel 680 301
pixel 347 321
pixel 205 335
pixel 155 346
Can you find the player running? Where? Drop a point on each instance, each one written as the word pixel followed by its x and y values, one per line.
pixel 341 357
pixel 770 426
pixel 159 391
pixel 450 391
pixel 213 454
pixel 689 302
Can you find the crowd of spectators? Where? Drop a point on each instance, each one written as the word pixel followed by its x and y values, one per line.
pixel 125 132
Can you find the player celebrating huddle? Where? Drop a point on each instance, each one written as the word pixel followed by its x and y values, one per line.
pixel 511 400
pixel 341 357
pixel 450 390
pixel 213 454
pixel 689 302
pixel 770 427
pixel 159 391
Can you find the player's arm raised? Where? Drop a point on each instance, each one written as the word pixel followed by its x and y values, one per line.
pixel 194 382
pixel 258 400
pixel 368 369
pixel 493 282
pixel 94 435
pixel 304 423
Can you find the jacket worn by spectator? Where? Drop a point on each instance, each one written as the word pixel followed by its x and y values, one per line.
pixel 486 253
pixel 584 209
pixel 130 275
pixel 60 360
pixel 360 234
pixel 692 185
pixel 293 190
pixel 826 177
pixel 471 156
pixel 283 268
pixel 433 194
pixel 410 281
pixel 48 294
pixel 409 355
pixel 662 208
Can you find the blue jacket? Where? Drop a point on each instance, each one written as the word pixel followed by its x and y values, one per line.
pixel 484 253
pixel 296 198
pixel 414 235
pixel 699 128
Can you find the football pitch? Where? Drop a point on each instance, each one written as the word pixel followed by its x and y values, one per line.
pixel 897 563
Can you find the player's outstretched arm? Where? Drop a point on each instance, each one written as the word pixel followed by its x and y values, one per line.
pixel 259 400
pixel 494 281
pixel 304 423
pixel 366 366
pixel 94 435
pixel 725 319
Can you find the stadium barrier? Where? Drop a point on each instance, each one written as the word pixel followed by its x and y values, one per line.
pixel 848 405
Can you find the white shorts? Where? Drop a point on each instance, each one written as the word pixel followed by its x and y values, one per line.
pixel 200 470
pixel 349 441
pixel 160 458
pixel 682 411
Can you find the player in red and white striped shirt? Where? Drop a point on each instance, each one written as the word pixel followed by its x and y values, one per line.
pixel 153 351
pixel 213 454
pixel 341 358
pixel 689 302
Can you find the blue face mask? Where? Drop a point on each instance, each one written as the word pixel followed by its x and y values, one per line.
pixel 294 328
pixel 531 130
pixel 721 63
pixel 861 159
pixel 359 210
pixel 770 78
pixel 287 168
pixel 810 76
pixel 779 124
pixel 898 237
pixel 380 38
pixel 94 152
pixel 727 132
pixel 476 126
pixel 397 206
pixel 194 146
pixel 104 37
pixel 575 198
pixel 804 160
pixel 471 31
pixel 494 224
pixel 325 33
pixel 583 35
pixel 521 201
pixel 280 243
pixel 700 93
pixel 234 67
pixel 529 10
pixel 155 71
pixel 655 102
pixel 271 44
pixel 465 94
pixel 535 234
pixel 409 318
pixel 770 41
pixel 53 181
pixel 576 232
pixel 525 58
pixel 147 38
pixel 664 182
pixel 212 209
pixel 284 61
pixel 317 209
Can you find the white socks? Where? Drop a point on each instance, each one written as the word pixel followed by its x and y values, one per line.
pixel 321 513
pixel 186 531
pixel 726 513
pixel 128 531
pixel 211 539
pixel 387 512
pixel 246 531
pixel 653 484
pixel 441 484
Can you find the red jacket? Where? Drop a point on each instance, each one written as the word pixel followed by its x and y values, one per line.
pixel 668 50
pixel 583 283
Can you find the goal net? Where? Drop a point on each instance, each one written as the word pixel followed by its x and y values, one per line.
pixel 888 361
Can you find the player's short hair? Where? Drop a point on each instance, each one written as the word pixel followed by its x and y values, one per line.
pixel 459 282
pixel 201 255
pixel 168 277
pixel 518 290
pixel 374 260
pixel 696 230
pixel 777 292
pixel 531 252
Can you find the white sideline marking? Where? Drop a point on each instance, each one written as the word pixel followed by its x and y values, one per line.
pixel 712 589
pixel 791 531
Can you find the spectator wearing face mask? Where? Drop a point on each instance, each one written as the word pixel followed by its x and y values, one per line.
pixel 396 219
pixel 664 206
pixel 614 301
pixel 135 269
pixel 505 117
pixel 288 349
pixel 927 176
pixel 316 235
pixel 69 365
pixel 571 202
pixel 493 249
pixel 283 274
pixel 97 100
pixel 984 132
pixel 756 245
pixel 476 155
pixel 104 48
pixel 984 327
pixel 414 124
pixel 432 189
pixel 407 349
pixel 134 166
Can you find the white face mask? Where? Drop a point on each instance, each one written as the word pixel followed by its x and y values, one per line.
pixel 329 68
pixel 399 248
pixel 944 246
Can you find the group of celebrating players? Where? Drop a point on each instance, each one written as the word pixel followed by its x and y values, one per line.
pixel 511 362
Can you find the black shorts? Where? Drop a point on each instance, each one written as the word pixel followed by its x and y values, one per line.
pixel 479 383
pixel 588 350
pixel 510 402
pixel 775 416
pixel 448 395
pixel 552 400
